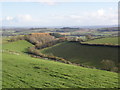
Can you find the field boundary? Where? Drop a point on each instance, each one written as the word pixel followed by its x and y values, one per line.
pixel 91 44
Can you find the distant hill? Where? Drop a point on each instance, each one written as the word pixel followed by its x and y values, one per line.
pixel 92 26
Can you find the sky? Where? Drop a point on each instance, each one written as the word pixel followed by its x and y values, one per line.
pixel 41 14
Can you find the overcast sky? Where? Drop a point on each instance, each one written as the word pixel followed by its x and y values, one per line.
pixel 59 13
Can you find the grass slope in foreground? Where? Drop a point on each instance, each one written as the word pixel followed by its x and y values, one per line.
pixel 23 71
pixel 111 40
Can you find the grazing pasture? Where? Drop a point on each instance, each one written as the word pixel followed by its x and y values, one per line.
pixel 23 71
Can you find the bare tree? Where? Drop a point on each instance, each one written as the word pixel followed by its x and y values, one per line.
pixel 108 64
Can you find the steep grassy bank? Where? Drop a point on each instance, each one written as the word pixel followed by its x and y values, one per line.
pixel 23 71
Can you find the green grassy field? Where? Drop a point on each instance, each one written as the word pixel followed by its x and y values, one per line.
pixel 112 40
pixel 18 46
pixel 23 71
pixel 87 55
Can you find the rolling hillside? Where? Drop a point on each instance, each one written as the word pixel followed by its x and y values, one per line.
pixel 87 55
pixel 22 71
pixel 19 46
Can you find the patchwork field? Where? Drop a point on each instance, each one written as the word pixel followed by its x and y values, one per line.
pixel 22 71
pixel 87 55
